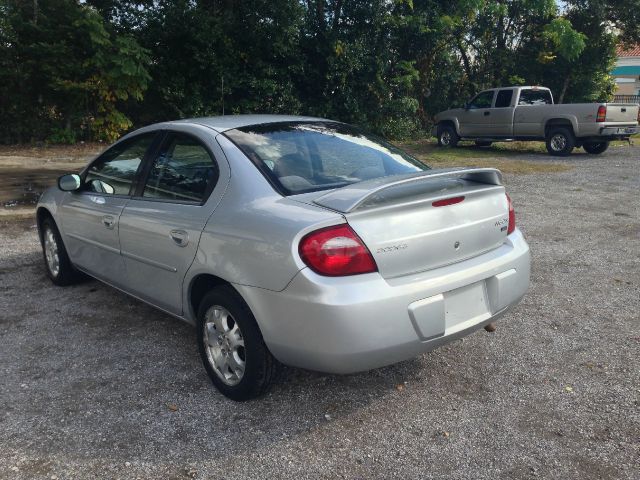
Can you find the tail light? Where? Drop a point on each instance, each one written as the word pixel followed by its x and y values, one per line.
pixel 336 251
pixel 512 217
pixel 602 113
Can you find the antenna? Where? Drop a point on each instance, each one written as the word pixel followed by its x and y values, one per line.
pixel 222 94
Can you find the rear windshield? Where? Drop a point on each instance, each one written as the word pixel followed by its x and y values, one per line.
pixel 535 97
pixel 300 157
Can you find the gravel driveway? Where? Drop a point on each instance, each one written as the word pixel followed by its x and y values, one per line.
pixel 98 385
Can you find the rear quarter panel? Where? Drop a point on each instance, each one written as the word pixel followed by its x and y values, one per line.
pixel 251 238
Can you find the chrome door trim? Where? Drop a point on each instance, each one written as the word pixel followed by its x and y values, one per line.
pixel 148 261
pixel 94 243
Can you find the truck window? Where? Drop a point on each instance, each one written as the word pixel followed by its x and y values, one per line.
pixel 482 100
pixel 535 97
pixel 504 98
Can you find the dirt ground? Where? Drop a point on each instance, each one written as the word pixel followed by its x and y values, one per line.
pixel 98 385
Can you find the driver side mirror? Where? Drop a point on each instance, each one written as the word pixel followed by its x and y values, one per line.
pixel 70 182
pixel 466 106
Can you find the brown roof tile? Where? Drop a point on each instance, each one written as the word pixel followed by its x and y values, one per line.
pixel 633 51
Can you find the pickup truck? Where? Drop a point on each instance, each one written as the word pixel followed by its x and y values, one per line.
pixel 528 113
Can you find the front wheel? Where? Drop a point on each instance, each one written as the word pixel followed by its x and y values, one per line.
pixel 447 136
pixel 560 141
pixel 56 260
pixel 231 346
pixel 595 148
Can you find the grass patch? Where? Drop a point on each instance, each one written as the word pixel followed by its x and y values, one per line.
pixel 499 156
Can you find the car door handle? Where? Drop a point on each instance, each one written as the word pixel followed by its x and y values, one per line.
pixel 486 114
pixel 180 237
pixel 108 221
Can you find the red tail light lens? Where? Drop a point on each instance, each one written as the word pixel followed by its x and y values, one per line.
pixel 512 217
pixel 336 251
pixel 602 113
pixel 447 201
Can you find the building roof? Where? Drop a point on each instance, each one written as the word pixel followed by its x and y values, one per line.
pixel 633 51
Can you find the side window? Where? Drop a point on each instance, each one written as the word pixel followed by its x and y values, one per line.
pixel 482 100
pixel 183 170
pixel 114 171
pixel 504 98
pixel 535 97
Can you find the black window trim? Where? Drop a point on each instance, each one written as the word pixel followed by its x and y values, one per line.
pixel 145 171
pixel 150 150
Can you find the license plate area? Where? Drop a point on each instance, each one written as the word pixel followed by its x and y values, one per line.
pixel 466 306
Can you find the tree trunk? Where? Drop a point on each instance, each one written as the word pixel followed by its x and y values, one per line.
pixel 564 88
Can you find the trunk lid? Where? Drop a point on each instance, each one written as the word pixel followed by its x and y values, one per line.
pixel 407 233
pixel 622 113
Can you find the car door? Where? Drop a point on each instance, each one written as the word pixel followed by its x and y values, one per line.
pixel 475 119
pixel 501 114
pixel 90 216
pixel 161 225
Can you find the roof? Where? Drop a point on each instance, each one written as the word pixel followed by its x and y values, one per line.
pixel 229 122
pixel 632 51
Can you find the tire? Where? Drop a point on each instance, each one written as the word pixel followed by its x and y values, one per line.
pixel 447 136
pixel 228 333
pixel 595 148
pixel 480 143
pixel 560 141
pixel 56 260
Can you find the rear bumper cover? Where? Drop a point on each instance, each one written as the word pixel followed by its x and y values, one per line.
pixel 619 132
pixel 351 324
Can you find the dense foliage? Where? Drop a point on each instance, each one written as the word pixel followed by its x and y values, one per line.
pixel 74 70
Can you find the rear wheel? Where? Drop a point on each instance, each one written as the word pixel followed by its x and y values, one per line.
pixel 560 141
pixel 56 260
pixel 447 136
pixel 595 148
pixel 481 143
pixel 231 346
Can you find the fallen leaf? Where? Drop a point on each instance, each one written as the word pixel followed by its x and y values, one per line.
pixel 569 389
pixel 400 387
pixel 173 407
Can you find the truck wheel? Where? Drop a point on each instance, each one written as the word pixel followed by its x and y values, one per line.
pixel 480 143
pixel 231 346
pixel 560 141
pixel 595 148
pixel 447 136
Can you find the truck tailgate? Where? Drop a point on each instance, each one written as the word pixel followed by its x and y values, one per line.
pixel 622 113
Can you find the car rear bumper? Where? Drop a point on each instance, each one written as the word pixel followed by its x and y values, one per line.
pixel 619 132
pixel 351 324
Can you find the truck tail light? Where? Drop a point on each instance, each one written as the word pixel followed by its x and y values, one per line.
pixel 336 251
pixel 602 113
pixel 512 217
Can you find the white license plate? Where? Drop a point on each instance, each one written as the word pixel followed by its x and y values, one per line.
pixel 466 305
pixel 627 130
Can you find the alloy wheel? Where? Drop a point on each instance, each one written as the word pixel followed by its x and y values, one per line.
pixel 51 252
pixel 224 345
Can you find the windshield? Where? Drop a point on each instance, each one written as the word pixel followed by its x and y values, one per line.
pixel 300 157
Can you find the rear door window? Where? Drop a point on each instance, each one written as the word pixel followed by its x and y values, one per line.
pixel 183 170
pixel 535 97
pixel 503 99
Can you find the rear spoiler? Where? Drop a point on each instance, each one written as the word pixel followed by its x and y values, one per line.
pixel 351 197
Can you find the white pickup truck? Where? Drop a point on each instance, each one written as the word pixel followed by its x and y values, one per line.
pixel 528 113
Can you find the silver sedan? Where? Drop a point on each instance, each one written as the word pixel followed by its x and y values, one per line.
pixel 289 239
